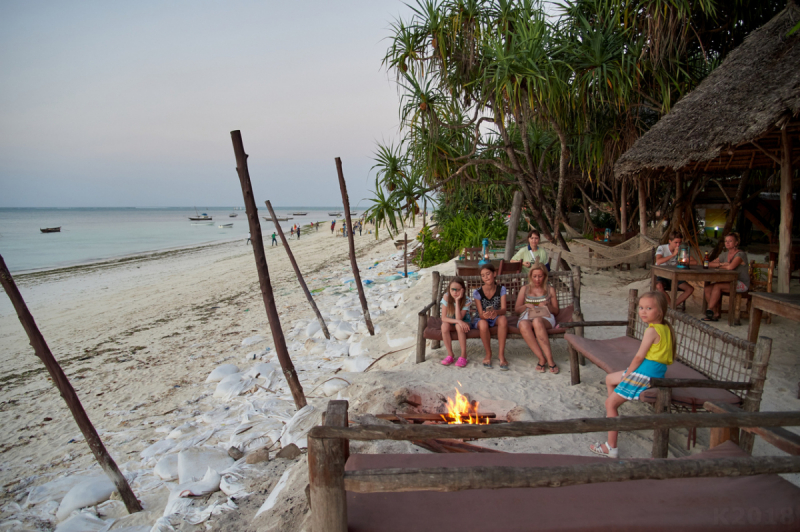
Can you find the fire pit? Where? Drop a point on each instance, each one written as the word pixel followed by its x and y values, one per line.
pixel 455 411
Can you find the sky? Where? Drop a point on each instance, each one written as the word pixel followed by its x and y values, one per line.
pixel 131 104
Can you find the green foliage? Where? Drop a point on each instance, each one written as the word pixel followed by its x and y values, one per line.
pixel 455 233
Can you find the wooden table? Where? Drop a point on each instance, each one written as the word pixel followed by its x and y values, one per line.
pixel 697 273
pixel 786 305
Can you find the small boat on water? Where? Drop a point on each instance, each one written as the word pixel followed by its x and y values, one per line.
pixel 226 226
pixel 50 229
pixel 201 218
pixel 233 215
pixel 353 213
pixel 279 218
pixel 334 214
pixel 203 223
pixel 299 213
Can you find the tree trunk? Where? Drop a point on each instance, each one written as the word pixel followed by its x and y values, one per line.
pixel 513 224
pixel 785 229
pixel 733 213
pixel 623 208
pixel 642 207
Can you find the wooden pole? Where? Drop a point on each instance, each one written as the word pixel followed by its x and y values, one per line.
pixel 513 225
pixel 424 211
pixel 642 207
pixel 263 272
pixel 297 271
pixel 785 229
pixel 326 460
pixel 623 209
pixel 567 426
pixel 353 264
pixel 66 390
pixel 752 401
pixel 405 255
pixel 447 479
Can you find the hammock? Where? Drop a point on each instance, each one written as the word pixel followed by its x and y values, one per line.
pixel 591 254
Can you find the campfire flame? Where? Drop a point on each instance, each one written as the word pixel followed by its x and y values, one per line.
pixel 460 411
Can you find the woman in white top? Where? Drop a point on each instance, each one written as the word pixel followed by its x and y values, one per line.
pixel 532 254
pixel 668 254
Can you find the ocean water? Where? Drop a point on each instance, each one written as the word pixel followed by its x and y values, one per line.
pixel 95 234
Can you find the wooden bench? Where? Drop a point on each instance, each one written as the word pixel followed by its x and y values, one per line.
pixel 710 365
pixel 515 492
pixel 566 283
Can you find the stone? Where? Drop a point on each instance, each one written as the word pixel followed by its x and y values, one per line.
pixel 290 452
pixel 520 413
pixel 261 455
pixel 235 453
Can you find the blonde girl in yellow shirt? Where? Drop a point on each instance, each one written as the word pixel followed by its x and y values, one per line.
pixel 654 355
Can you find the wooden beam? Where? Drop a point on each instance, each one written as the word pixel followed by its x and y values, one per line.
pixel 787 215
pixel 263 272
pixel 699 383
pixel 61 382
pixel 326 460
pixel 642 207
pixel 569 426
pixel 781 438
pixel 776 160
pixel 447 479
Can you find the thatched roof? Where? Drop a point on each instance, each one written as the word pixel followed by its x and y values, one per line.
pixel 735 114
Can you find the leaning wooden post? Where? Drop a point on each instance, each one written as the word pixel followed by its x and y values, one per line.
pixel 356 274
pixel 66 390
pixel 405 255
pixel 326 460
pixel 513 225
pixel 661 435
pixel 297 271
pixel 263 272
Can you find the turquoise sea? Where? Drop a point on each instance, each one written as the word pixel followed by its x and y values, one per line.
pixel 95 234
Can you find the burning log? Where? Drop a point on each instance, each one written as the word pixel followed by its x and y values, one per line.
pixel 484 417
pixel 452 446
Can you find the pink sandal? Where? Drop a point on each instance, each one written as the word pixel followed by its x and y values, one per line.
pixel 447 361
pixel 462 362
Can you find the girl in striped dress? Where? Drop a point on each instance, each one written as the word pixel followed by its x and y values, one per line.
pixel 655 354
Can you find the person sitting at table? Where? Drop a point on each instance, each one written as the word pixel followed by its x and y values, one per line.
pixel 667 255
pixel 532 254
pixel 731 259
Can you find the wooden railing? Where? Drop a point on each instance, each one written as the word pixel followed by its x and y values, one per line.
pixel 328 450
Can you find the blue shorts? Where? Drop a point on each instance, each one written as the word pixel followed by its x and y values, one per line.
pixel 474 325
pixel 632 386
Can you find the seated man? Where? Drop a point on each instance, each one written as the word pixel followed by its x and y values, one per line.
pixel 668 254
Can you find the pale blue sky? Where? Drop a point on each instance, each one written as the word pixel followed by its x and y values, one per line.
pixel 132 103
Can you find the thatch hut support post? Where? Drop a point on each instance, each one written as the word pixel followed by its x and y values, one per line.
pixel 66 390
pixel 642 206
pixel 787 215
pixel 263 272
pixel 297 271
pixel 513 225
pixel 351 242
pixel 623 208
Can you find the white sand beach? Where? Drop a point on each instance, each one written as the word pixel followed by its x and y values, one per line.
pixel 138 340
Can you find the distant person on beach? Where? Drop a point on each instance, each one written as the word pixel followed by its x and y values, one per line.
pixel 359 228
pixel 455 316
pixel 656 352
pixel 732 258
pixel 291 232
pixel 333 226
pixel 532 254
pixel 668 254
pixel 541 306
pixel 317 227
pixel 490 301
pixel 274 239
pixel 298 231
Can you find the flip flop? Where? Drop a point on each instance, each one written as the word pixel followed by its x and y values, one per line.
pixel 540 368
pixel 709 313
pixel 504 367
pixel 554 367
pixel 487 365
pixel 710 318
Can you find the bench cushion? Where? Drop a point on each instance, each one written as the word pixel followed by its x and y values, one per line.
pixel 616 353
pixel 764 502
pixel 433 330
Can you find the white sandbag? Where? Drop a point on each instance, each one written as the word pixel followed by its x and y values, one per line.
pixel 222 371
pixel 399 342
pixel 356 364
pixel 193 463
pixel 182 430
pixel 357 349
pixel 255 355
pixel 352 315
pixel 337 349
pixel 398 298
pixel 334 385
pixel 273 496
pixel 159 447
pixel 296 429
pixel 231 387
pixel 343 331
pixel 314 347
pixel 312 328
pixel 53 490
pixel 387 305
pixel 208 484
pixel 83 522
pixel 261 369
pixel 89 492
pixel 194 440
pixel 232 486
pixel 253 340
pixel 167 467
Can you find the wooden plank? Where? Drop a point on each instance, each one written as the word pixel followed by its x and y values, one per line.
pixel 446 479
pixel 781 438
pixel 661 434
pixel 427 417
pixel 569 426
pixel 326 460
pixel 752 401
pixel 263 272
pixel 61 382
pixel 699 383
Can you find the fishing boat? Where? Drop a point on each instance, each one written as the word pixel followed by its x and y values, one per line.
pixel 226 226
pixel 50 229
pixel 299 213
pixel 279 218
pixel 200 217
pixel 334 214
pixel 203 223
pixel 354 213
pixel 233 215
